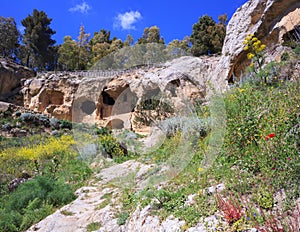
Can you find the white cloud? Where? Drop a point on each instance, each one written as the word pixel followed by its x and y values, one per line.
pixel 126 20
pixel 82 8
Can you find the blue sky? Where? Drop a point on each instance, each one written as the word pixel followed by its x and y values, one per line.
pixel 174 18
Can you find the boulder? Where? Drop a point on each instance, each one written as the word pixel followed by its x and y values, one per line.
pixel 11 76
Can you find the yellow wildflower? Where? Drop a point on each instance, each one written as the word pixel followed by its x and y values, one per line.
pixel 254 39
pixel 246 48
pixel 263 46
pixel 250 56
pixel 200 169
pixel 252 65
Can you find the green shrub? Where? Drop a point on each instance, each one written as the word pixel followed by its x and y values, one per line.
pixel 10 220
pixel 65 124
pixel 93 226
pixel 31 202
pixel 34 212
pixel 43 188
pixel 111 147
pixel 297 50
pixel 122 218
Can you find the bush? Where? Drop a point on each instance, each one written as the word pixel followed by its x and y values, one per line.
pixel 65 124
pixel 33 201
pixel 111 147
pixel 42 188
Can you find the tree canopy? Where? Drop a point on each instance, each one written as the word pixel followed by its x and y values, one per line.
pixel 9 37
pixel 208 36
pixel 37 40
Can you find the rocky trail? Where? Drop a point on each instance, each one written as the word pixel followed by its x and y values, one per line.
pixel 99 203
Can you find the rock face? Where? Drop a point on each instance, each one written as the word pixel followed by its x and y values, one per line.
pixel 51 94
pixel 269 20
pixel 11 76
pixel 112 100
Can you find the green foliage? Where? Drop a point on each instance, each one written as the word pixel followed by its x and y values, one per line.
pixel 122 218
pixel 68 54
pixel 45 189
pixel 37 40
pixel 33 201
pixel 264 198
pixel 151 35
pixel 65 124
pixel 208 36
pixel 93 226
pixel 111 146
pixel 297 50
pixel 10 220
pixel 34 212
pixel 9 37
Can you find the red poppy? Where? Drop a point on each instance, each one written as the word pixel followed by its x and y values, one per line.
pixel 269 136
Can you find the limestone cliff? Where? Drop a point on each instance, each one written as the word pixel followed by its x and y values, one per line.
pixel 269 20
pixel 98 99
pixel 11 76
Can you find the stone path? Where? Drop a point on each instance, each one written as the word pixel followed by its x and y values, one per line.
pixel 99 203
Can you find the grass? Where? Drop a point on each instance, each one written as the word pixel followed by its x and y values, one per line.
pixel 107 200
pixel 93 226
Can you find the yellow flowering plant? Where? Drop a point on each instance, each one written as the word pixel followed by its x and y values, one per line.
pixel 255 49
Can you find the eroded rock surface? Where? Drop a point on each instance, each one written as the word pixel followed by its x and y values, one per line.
pixel 269 20
pixel 51 94
pixel 11 77
pixel 98 99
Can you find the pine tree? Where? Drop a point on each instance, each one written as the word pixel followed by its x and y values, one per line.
pixel 68 54
pixel 9 37
pixel 208 36
pixel 151 35
pixel 37 40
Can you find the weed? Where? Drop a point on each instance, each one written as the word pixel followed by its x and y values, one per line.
pixel 122 218
pixel 93 226
pixel 230 209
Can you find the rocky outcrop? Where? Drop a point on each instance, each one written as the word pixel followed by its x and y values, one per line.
pixel 269 20
pixel 11 77
pixel 112 100
pixel 51 94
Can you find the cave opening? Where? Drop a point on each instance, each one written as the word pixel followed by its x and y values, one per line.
pixel 107 99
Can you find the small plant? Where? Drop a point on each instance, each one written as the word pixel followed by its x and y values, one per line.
pixel 255 49
pixel 107 198
pixel 93 226
pixel 66 213
pixel 122 218
pixel 264 198
pixel 232 211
